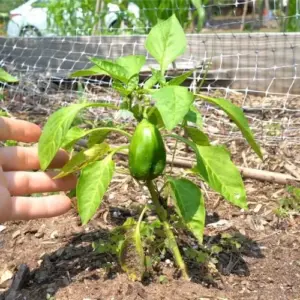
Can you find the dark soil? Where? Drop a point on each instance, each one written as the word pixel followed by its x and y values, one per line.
pixel 62 264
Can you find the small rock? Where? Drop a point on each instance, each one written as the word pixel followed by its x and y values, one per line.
pixel 116 214
pixel 20 241
pixel 220 224
pixel 39 235
pixel 2 228
pixel 257 208
pixel 16 234
pixel 65 281
pixel 270 280
pixel 5 279
pixel 54 235
pixel 41 232
pixel 50 290
pixel 39 262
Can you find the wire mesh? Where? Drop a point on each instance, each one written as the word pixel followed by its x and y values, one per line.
pixel 249 47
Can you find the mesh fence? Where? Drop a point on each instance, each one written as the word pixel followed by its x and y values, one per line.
pixel 251 50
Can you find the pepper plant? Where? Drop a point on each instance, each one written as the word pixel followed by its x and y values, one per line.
pixel 160 107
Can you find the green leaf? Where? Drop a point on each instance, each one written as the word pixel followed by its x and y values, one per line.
pixel 133 83
pixel 194 116
pixel 113 69
pixel 154 79
pixel 98 137
pixel 93 71
pixel 92 185
pixel 131 255
pixel 173 103
pixel 190 205
pixel 72 136
pixel 166 41
pixel 155 118
pixel 119 87
pixel 238 117
pixel 56 129
pixel 184 140
pixel 137 111
pixel 150 82
pixel 83 158
pixel 197 136
pixel 132 63
pixel 217 169
pixel 6 77
pixel 181 78
pixel 165 10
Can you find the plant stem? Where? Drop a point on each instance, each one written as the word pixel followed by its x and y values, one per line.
pixel 114 151
pixel 162 215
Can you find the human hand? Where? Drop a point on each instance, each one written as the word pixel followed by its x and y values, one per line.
pixel 17 178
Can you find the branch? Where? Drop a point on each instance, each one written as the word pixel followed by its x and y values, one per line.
pixel 261 175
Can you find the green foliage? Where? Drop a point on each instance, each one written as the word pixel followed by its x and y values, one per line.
pixel 197 136
pixel 64 18
pixel 162 111
pixel 175 99
pixel 92 185
pixel 292 23
pixel 289 204
pixel 56 130
pixel 237 116
pixel 81 159
pixel 131 254
pixel 165 42
pixel 152 12
pixel 6 6
pixel 216 168
pixel 6 77
pixel 190 205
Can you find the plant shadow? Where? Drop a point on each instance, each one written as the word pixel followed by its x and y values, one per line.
pixel 77 261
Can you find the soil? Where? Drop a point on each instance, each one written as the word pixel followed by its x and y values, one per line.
pixel 62 263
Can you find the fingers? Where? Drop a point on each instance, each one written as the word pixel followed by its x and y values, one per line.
pixel 18 130
pixel 26 159
pixel 27 208
pixel 26 183
pixel 3 181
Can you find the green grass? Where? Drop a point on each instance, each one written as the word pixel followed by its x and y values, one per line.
pixel 7 5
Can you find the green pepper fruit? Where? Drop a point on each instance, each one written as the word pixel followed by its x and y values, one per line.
pixel 147 153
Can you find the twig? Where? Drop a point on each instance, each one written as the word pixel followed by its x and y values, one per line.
pixel 261 175
pixel 292 170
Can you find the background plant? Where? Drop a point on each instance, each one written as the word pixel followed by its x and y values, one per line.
pixel 71 17
pixel 170 107
pixel 64 17
pixel 155 10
